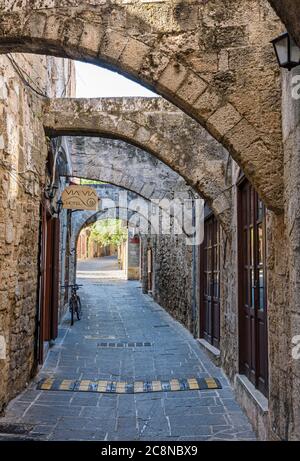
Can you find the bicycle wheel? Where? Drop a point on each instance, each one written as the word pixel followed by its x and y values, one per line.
pixel 78 308
pixel 71 309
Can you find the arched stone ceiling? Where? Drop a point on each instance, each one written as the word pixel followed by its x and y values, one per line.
pixel 125 165
pixel 157 127
pixel 213 59
pixel 118 201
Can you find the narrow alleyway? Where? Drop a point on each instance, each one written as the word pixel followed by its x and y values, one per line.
pixel 117 311
pixel 105 267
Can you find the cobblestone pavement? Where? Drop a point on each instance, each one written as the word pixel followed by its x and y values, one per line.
pixel 117 310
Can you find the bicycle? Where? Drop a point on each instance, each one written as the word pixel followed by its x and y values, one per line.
pixel 74 302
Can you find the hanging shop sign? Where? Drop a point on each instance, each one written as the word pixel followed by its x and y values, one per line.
pixel 80 198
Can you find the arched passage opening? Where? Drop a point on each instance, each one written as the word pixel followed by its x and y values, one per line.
pixel 102 249
pixel 212 85
pixel 155 127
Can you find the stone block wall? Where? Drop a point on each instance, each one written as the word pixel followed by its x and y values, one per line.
pixel 23 153
pixel 172 276
pixel 284 283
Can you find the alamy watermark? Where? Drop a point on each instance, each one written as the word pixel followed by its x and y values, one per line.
pixel 296 348
pixel 177 216
pixel 296 87
pixel 2 348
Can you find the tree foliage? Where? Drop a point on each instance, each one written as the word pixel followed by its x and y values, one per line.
pixel 108 232
pixel 90 181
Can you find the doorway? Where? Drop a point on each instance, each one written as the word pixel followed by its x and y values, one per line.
pixel 252 287
pixel 49 281
pixel 210 282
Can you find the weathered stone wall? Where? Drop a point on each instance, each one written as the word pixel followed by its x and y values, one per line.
pixel 279 418
pixel 284 283
pixel 172 281
pixel 173 289
pixel 64 250
pixel 23 153
pixel 229 285
pixel 214 60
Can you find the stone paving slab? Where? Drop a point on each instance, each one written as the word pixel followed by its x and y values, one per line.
pixel 119 312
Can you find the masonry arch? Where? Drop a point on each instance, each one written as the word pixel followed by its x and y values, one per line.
pixel 108 210
pixel 125 165
pixel 126 168
pixel 208 59
pixel 156 127
pixel 99 215
pixel 86 218
pixel 112 207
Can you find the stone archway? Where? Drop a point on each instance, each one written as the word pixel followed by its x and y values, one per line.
pixel 135 209
pixel 112 205
pixel 288 11
pixel 158 128
pixel 109 207
pixel 124 165
pixel 129 212
pixel 208 59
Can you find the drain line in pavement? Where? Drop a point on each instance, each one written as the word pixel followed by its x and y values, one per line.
pixel 125 345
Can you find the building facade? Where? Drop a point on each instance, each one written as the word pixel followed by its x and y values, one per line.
pixel 26 216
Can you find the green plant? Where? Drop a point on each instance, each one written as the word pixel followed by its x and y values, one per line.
pixel 90 181
pixel 109 232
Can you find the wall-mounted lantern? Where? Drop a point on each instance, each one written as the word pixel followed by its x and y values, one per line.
pixel 287 51
pixel 59 206
pixel 50 191
pixel 56 206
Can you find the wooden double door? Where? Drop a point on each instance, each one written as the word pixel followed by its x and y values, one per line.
pixel 210 282
pixel 253 345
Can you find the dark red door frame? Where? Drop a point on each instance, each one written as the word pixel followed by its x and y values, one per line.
pixel 253 345
pixel 55 289
pixel 210 292
pixel 49 280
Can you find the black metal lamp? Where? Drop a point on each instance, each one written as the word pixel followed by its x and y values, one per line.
pixel 287 51
pixel 50 191
pixel 59 204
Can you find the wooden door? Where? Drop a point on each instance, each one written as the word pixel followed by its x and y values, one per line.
pixel 55 288
pixel 49 281
pixel 210 282
pixel 42 278
pixel 253 345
